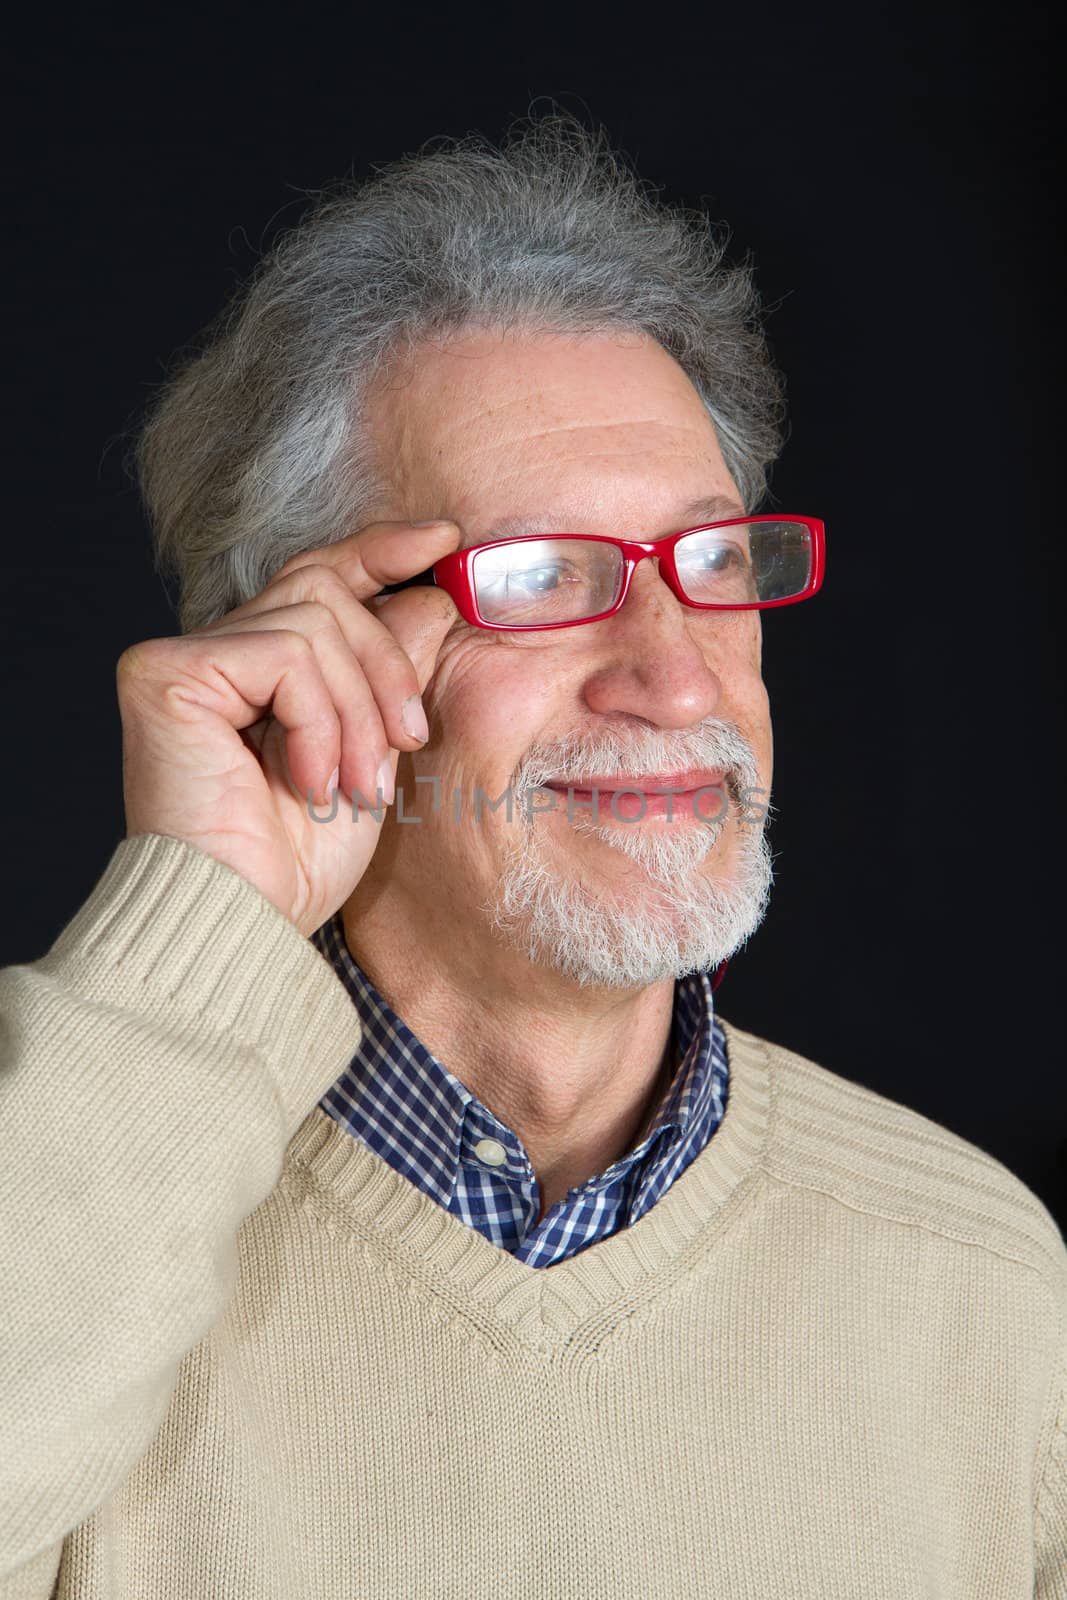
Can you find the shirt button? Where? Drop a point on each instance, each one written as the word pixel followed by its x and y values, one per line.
pixel 491 1151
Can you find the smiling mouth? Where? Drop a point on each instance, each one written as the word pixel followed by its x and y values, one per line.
pixel 700 794
pixel 645 783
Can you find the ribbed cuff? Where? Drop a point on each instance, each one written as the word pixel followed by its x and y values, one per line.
pixel 170 932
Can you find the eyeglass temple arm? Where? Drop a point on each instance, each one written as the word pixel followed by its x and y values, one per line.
pixel 426 577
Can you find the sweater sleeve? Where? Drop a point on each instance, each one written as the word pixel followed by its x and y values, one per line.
pixel 1050 1506
pixel 154 1065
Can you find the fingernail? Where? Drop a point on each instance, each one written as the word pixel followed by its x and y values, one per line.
pixel 332 782
pixel 434 522
pixel 385 781
pixel 413 717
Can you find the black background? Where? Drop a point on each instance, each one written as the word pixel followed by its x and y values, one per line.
pixel 891 170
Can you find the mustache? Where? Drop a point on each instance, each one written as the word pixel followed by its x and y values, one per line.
pixel 713 744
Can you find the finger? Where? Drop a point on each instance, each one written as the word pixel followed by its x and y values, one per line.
pixel 420 621
pixel 355 684
pixel 392 677
pixel 380 553
pixel 241 674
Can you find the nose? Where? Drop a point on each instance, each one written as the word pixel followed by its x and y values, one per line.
pixel 648 664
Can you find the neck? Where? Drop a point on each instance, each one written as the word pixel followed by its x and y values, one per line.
pixel 576 1073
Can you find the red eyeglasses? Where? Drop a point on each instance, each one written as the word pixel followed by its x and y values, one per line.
pixel 567 580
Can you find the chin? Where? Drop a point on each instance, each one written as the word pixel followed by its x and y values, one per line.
pixel 689 900
pixel 656 851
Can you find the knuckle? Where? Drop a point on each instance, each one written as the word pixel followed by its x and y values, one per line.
pixel 137 660
pixel 325 628
pixel 296 644
pixel 288 568
pixel 330 594
pixel 316 615
pixel 302 577
pixel 128 662
pixel 174 699
pixel 326 580
pixel 297 573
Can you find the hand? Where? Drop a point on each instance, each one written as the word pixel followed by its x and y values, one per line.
pixel 226 731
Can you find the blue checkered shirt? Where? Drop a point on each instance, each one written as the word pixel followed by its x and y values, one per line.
pixel 399 1100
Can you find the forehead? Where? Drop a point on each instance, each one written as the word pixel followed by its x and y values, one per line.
pixel 494 427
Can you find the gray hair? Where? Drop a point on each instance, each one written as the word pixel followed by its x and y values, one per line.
pixel 252 450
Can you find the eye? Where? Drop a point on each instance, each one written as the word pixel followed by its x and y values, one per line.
pixel 540 579
pixel 538 583
pixel 714 558
pixel 525 583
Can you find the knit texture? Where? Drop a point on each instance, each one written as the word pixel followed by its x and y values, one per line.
pixel 244 1357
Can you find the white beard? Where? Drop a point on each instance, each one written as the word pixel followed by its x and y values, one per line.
pixel 676 919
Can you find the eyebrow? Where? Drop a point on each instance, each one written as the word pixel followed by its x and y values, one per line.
pixel 706 508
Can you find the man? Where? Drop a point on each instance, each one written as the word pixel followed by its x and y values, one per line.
pixel 390 1210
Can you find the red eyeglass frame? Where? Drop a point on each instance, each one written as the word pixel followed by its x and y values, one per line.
pixel 452 573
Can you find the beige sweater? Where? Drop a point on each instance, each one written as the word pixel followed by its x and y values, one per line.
pixel 242 1357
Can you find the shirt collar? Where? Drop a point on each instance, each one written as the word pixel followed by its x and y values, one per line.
pixel 419 1116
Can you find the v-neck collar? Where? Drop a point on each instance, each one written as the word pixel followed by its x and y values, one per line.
pixel 543 1306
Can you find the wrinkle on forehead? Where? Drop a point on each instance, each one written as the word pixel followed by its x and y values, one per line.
pixel 458 436
pixel 639 427
pixel 579 400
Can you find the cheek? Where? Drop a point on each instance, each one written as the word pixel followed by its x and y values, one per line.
pixel 732 639
pixel 731 644
pixel 763 734
pixel 753 702
pixel 488 701
pixel 492 696
pixel 732 648
pixel 754 716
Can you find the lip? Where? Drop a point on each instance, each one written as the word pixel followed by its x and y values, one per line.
pixel 646 782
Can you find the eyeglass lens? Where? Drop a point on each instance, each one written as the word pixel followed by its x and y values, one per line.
pixel 540 581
